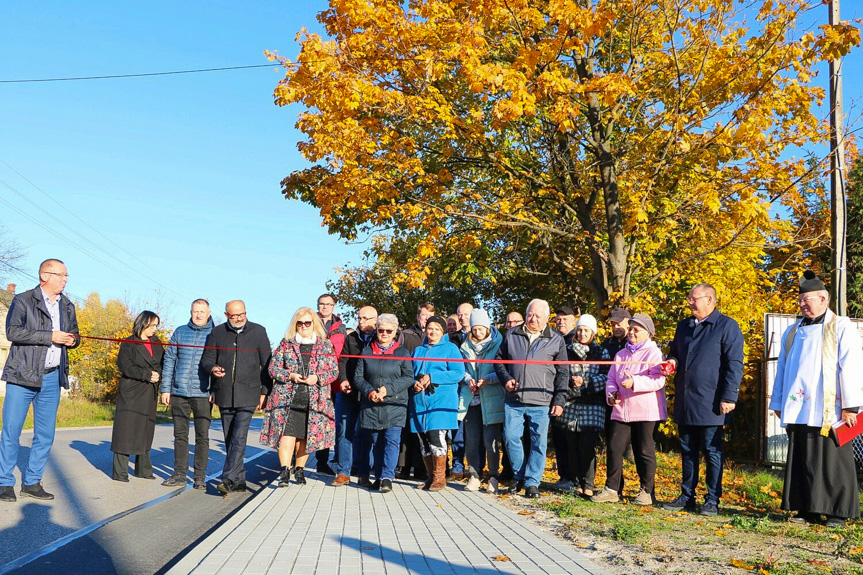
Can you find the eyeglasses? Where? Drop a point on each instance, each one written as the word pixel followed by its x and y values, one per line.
pixel 321 304
pixel 805 300
pixel 695 299
pixel 57 274
pixel 386 331
pixel 368 318
pixel 235 315
pixel 307 323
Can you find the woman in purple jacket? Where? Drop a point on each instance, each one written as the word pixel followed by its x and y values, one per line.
pixel 636 392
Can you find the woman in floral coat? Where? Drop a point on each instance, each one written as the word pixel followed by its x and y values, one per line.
pixel 299 416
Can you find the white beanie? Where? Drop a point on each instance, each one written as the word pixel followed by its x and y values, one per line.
pixel 480 317
pixel 588 321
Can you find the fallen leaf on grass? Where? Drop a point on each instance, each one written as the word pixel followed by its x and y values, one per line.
pixel 720 533
pixel 728 526
pixel 835 537
pixel 855 550
pixel 740 564
pixel 818 562
pixel 582 544
pixel 526 512
pixel 501 558
pixel 673 518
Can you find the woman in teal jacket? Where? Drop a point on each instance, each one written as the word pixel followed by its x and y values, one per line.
pixel 434 398
pixel 480 402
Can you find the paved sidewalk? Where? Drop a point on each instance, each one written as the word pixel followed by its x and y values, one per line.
pixel 327 530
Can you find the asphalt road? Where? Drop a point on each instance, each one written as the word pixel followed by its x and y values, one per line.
pixel 143 541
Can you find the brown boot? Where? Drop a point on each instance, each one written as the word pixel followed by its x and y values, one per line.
pixel 439 482
pixel 427 459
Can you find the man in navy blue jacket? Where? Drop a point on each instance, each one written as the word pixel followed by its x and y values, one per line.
pixel 707 352
pixel 186 388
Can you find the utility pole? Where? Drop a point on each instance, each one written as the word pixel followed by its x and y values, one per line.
pixel 837 179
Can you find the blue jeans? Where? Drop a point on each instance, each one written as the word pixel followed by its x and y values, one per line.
pixel 347 410
pixel 536 417
pixel 385 443
pixel 693 439
pixel 45 401
pixel 458 450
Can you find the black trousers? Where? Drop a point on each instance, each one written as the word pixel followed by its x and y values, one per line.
pixel 582 457
pixel 409 452
pixel 560 441
pixel 182 410
pixel 640 433
pixel 235 425
pixel 143 465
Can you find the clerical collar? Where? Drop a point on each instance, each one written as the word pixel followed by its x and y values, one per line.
pixel 813 321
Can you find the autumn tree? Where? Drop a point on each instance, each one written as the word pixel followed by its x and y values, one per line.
pixel 631 147
pixel 11 254
pixel 93 364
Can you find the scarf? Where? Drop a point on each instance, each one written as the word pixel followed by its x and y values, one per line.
pixel 633 347
pixel 301 340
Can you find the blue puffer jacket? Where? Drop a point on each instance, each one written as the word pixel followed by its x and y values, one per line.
pixel 438 410
pixel 181 371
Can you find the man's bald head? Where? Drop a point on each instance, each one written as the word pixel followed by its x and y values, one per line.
pixel 235 311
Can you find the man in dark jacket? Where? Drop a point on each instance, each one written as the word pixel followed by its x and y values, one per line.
pixel 336 333
pixel 564 319
pixel 347 399
pixel 619 320
pixel 42 326
pixel 186 388
pixel 237 357
pixel 707 351
pixel 530 390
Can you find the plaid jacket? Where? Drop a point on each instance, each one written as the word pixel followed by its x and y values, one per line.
pixel 585 405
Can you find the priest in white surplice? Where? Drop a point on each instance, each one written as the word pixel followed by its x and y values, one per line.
pixel 819 381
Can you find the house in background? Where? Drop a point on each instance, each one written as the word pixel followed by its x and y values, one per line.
pixel 5 301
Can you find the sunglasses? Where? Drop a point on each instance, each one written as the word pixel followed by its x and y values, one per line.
pixel 386 331
pixel 304 323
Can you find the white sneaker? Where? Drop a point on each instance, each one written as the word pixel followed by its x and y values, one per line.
pixel 493 487
pixel 564 485
pixel 472 484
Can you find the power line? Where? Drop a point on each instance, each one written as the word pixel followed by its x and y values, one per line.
pixel 115 76
pixel 74 231
pixel 32 276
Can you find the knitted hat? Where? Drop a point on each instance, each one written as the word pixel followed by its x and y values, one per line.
pixel 644 321
pixel 810 282
pixel 619 314
pixel 438 320
pixel 480 317
pixel 587 321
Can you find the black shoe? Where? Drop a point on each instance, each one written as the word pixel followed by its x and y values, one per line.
pixel 36 492
pixel 8 494
pixel 403 472
pixel 681 503
pixel 519 485
pixel 225 487
pixel 834 521
pixel 175 481
pixel 325 469
pixel 376 485
pixel 123 479
pixel 803 518
pixel 709 509
pixel 531 492
pixel 239 487
pixel 298 476
pixel 363 482
pixel 285 477
pixel 200 485
pixel 386 485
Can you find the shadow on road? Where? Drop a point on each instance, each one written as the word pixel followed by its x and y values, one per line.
pixel 415 562
pixel 99 455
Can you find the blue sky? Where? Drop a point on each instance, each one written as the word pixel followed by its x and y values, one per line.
pixel 181 171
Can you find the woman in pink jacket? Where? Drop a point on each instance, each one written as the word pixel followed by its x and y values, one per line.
pixel 636 392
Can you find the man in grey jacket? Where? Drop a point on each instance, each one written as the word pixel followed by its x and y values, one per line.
pixel 534 391
pixel 42 326
pixel 186 388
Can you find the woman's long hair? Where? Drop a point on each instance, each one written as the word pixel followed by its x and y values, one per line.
pixel 143 321
pixel 317 325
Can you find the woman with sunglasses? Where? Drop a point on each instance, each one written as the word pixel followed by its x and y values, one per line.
pixel 299 415
pixel 434 399
pixel 383 389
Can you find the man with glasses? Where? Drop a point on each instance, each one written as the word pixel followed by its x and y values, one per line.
pixel 186 388
pixel 534 392
pixel 707 353
pixel 42 326
pixel 237 357
pixel 336 333
pixel 513 319
pixel 817 387
pixel 348 400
